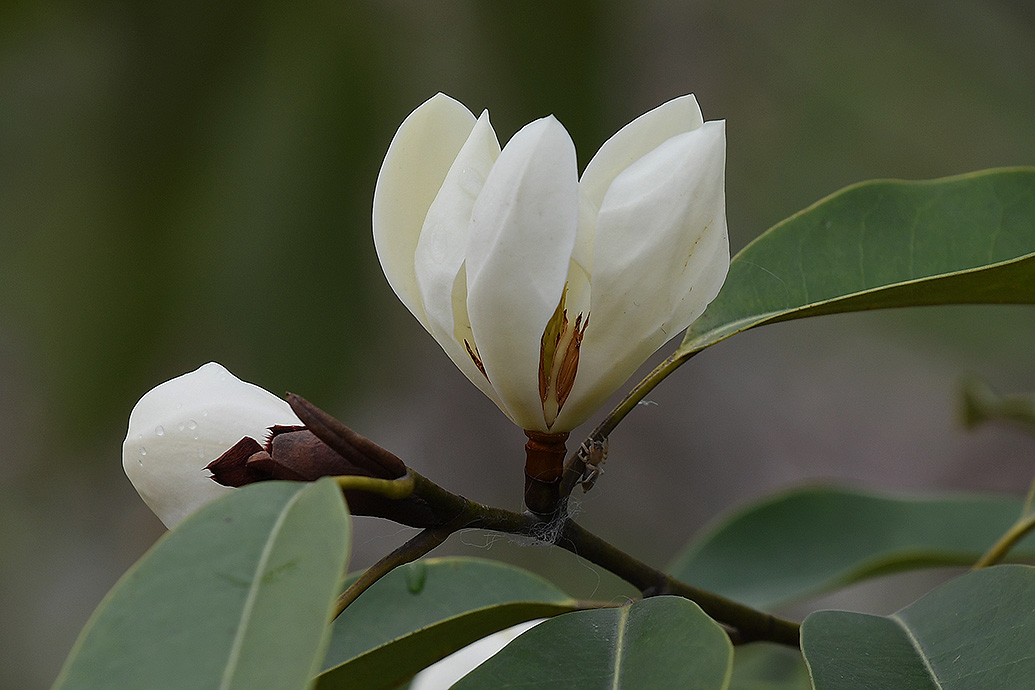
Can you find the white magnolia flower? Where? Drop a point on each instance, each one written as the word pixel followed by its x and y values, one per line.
pixel 181 426
pixel 548 290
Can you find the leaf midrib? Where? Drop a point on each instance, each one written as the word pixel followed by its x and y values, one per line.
pixel 253 594
pixel 915 643
pixel 623 619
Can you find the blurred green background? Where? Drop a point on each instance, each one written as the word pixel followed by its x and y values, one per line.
pixel 190 181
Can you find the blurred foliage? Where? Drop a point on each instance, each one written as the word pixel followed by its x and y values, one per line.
pixel 184 181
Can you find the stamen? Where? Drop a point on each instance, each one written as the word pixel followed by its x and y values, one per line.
pixel 570 363
pixel 559 359
pixel 473 352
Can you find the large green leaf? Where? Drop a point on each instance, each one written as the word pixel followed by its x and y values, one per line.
pixel 810 540
pixel 660 643
pixel 886 243
pixel 764 666
pixel 973 633
pixel 237 596
pixel 425 610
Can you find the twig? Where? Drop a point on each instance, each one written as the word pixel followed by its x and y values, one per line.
pixel 420 545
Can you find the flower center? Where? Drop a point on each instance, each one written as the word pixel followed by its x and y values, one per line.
pixel 559 359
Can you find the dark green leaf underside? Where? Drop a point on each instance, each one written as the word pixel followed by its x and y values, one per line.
pixel 811 540
pixel 886 243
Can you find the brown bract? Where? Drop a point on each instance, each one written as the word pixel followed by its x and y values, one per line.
pixel 294 453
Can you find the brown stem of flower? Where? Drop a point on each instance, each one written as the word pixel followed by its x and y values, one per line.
pixel 544 465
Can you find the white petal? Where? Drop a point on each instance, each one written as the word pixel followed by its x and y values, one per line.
pixel 444 673
pixel 414 168
pixel 661 254
pixel 522 234
pixel 181 426
pixel 442 247
pixel 636 140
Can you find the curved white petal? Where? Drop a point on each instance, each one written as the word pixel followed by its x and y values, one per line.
pixel 523 229
pixel 443 239
pixel 660 256
pixel 444 673
pixel 182 425
pixel 413 171
pixel 636 140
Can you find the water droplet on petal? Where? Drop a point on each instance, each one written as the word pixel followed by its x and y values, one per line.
pixel 204 413
pixel 192 425
pixel 471 181
pixel 143 451
pixel 160 431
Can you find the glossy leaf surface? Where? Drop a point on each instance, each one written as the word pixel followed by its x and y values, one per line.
pixel 237 596
pixel 814 539
pixel 886 243
pixel 973 632
pixel 660 643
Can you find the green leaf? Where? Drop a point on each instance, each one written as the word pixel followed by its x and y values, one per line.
pixel 880 244
pixel 424 611
pixel 660 643
pixel 237 596
pixel 764 666
pixel 973 632
pixel 814 539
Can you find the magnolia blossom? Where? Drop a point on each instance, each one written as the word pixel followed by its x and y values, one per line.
pixel 546 289
pixel 181 426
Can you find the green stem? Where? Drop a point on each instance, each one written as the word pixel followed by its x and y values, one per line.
pixel 420 545
pixel 575 466
pixel 389 488
pixel 1006 542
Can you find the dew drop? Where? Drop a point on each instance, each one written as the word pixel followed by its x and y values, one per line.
pixel 143 451
pixel 192 425
pixel 204 413
pixel 471 181
pixel 160 431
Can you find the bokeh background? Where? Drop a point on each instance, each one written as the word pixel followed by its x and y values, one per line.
pixel 190 181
